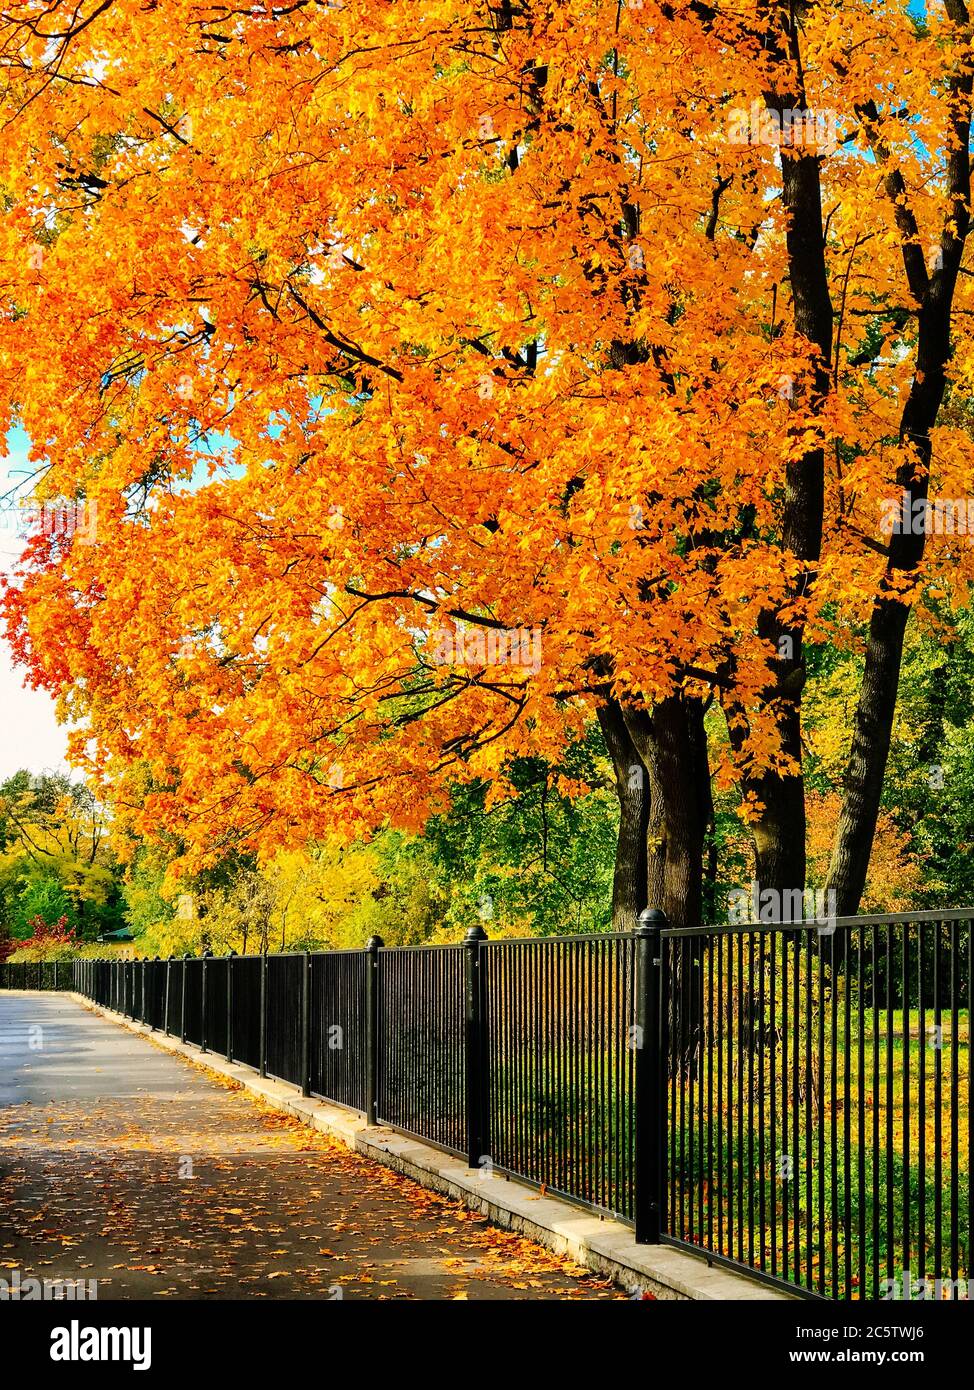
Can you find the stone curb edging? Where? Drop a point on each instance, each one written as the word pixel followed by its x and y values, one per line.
pixel 602 1244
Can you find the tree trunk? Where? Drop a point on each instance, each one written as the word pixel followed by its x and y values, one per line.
pixel 868 757
pixel 673 745
pixel 891 608
pixel 629 880
pixel 779 831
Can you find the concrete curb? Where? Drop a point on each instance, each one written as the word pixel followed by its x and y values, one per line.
pixel 599 1243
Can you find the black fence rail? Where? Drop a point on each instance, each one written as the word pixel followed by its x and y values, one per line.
pixel 191 1004
pixel 285 986
pixel 174 996
pixel 216 976
pixel 789 1099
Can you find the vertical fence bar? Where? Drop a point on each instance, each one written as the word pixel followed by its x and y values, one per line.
pixel 263 1011
pixel 230 958
pixel 168 989
pixel 650 1094
pixel 203 1020
pixel 306 1024
pixel 474 1032
pixel 182 1000
pixel 372 1025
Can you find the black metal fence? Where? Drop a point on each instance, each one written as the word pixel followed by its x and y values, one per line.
pixel 561 1080
pixel 37 974
pixel 818 1123
pixel 790 1099
pixel 421 1084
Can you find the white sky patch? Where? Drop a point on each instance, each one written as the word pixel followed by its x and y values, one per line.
pixel 96 68
pixel 30 736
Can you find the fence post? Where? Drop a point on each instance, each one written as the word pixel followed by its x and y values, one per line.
pixel 144 963
pixel 153 976
pixel 475 1051
pixel 182 1001
pixel 230 955
pixel 650 1094
pixel 168 989
pixel 263 1010
pixel 207 954
pixel 306 1024
pixel 372 1025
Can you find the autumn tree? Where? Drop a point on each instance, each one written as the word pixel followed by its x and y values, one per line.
pixel 444 376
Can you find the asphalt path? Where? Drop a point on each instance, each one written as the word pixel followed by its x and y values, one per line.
pixel 123 1164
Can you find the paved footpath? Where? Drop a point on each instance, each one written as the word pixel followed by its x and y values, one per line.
pixel 122 1163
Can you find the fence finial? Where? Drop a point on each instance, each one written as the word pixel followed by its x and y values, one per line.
pixel 651 919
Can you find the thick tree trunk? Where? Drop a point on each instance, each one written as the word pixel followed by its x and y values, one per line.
pixel 672 744
pixel 779 830
pixel 629 880
pixel 683 812
pixel 779 838
pixel 662 776
pixel 868 757
pixel 640 730
pixel 873 725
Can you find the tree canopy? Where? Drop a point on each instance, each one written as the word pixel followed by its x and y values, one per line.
pixel 439 377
